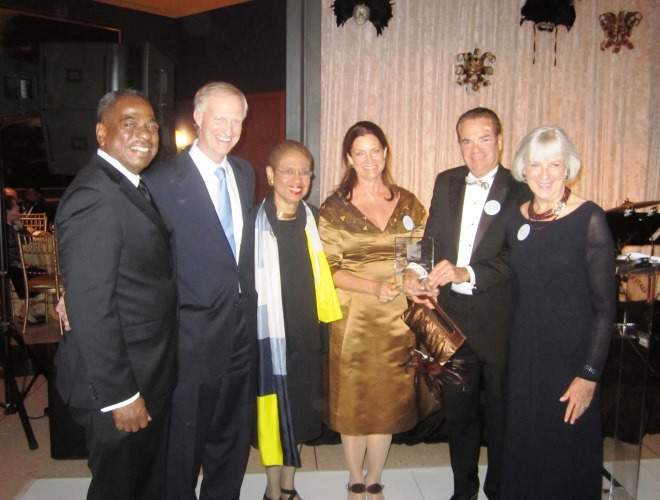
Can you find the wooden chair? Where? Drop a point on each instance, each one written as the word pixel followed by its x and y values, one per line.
pixel 38 221
pixel 41 273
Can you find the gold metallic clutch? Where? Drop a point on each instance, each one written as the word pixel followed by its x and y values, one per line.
pixel 440 338
pixel 434 329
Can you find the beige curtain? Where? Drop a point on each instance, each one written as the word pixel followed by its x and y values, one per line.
pixel 404 81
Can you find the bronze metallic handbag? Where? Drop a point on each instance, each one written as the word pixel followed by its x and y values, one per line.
pixel 440 338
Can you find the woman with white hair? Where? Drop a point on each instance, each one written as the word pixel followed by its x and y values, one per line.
pixel 562 261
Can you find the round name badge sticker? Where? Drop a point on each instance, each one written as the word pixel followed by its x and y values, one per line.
pixel 408 223
pixel 492 207
pixel 523 232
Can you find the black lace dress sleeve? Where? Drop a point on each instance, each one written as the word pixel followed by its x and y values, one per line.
pixel 599 259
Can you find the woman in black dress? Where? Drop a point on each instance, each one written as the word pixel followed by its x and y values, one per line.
pixel 562 260
pixel 296 292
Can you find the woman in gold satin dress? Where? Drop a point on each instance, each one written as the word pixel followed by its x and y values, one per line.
pixel 369 395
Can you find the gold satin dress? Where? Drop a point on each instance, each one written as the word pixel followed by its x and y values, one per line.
pixel 368 391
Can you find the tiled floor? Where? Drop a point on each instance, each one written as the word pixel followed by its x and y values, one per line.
pixel 413 472
pixel 32 474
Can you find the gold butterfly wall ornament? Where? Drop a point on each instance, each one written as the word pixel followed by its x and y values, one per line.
pixel 618 29
pixel 473 71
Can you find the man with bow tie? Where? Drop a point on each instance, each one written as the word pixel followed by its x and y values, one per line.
pixel 467 221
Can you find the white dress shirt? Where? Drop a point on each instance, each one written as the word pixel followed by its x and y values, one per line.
pixel 473 206
pixel 207 169
pixel 134 178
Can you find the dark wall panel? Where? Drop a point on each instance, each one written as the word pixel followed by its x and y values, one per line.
pixel 76 75
pixel 244 44
pixel 70 137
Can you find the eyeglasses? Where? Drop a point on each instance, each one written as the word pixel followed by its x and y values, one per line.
pixel 289 172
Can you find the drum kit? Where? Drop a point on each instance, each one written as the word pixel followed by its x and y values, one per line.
pixel 630 226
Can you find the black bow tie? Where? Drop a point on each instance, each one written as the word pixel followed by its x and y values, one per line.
pixel 478 182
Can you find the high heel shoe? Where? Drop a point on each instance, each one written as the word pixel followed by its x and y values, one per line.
pixel 356 488
pixel 292 493
pixel 375 488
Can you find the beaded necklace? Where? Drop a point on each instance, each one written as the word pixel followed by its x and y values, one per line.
pixel 553 213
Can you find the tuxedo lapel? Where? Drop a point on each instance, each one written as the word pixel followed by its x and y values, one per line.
pixel 135 197
pixel 494 205
pixel 456 197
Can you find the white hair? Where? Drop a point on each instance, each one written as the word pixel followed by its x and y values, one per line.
pixel 543 144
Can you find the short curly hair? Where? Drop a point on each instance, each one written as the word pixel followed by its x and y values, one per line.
pixel 289 146
pixel 109 100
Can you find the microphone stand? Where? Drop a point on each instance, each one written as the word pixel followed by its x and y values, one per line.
pixel 14 397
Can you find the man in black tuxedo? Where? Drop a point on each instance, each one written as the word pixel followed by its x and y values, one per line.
pixel 206 198
pixel 116 368
pixel 467 221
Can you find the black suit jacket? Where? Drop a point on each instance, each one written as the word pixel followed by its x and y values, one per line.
pixel 487 327
pixel 42 206
pixel 208 276
pixel 120 294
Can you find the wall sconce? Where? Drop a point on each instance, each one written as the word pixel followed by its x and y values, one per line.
pixel 618 29
pixel 379 12
pixel 182 139
pixel 473 71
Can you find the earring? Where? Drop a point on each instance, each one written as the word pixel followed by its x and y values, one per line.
pixel 271 183
pixel 566 176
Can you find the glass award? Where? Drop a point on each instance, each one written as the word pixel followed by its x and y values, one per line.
pixel 413 261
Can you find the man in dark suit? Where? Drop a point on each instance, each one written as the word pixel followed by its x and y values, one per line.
pixel 467 221
pixel 34 203
pixel 116 368
pixel 206 198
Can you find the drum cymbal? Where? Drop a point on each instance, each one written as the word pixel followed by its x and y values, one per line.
pixel 631 205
